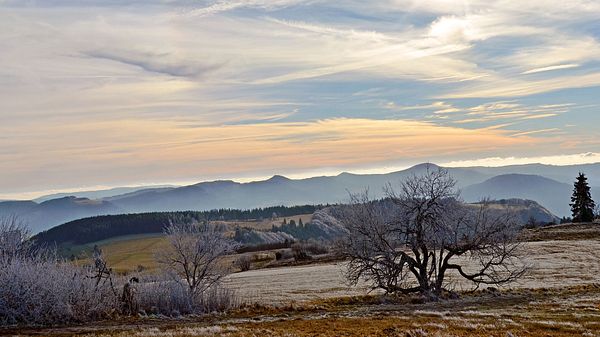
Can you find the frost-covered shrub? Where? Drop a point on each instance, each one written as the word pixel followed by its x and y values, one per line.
pixel 158 294
pixel 218 299
pixel 44 291
pixel 161 294
pixel 38 288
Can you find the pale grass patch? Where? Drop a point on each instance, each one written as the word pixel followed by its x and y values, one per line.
pixel 436 325
pixel 558 324
pixel 431 313
pixel 479 314
pixel 178 332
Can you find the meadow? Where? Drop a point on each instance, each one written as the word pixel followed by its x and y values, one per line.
pixel 560 296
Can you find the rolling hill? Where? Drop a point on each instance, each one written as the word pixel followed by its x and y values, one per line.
pixel 550 193
pixel 56 211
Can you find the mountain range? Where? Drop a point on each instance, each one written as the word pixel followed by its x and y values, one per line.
pixel 550 186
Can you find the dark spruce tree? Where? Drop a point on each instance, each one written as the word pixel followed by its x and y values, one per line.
pixel 582 205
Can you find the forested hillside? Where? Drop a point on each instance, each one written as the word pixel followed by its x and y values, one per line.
pixel 103 227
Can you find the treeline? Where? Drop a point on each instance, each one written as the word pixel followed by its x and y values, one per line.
pixel 103 227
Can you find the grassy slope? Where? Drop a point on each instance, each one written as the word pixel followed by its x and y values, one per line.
pixel 583 231
pixel 126 253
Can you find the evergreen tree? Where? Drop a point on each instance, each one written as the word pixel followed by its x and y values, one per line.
pixel 300 224
pixel 582 205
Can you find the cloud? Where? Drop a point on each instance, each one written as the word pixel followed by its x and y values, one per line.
pixel 101 152
pixel 561 160
pixel 543 131
pixel 228 5
pixel 162 63
pixel 519 88
pixel 209 86
pixel 550 68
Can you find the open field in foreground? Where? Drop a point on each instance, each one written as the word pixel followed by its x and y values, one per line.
pixel 567 311
pixel 553 264
pixel 560 297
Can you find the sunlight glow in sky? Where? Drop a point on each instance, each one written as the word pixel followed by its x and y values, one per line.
pixel 130 92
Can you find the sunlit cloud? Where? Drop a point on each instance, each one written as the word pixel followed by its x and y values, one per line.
pixel 550 68
pixel 122 92
pixel 89 151
pixel 560 160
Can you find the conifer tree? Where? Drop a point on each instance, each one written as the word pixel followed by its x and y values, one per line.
pixel 582 205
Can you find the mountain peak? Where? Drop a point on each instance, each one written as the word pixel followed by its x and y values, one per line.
pixel 424 166
pixel 278 178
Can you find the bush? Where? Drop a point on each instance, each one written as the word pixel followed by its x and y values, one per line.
pixel 38 289
pixel 160 294
pixel 316 247
pixel 244 263
pixel 300 252
pixel 305 250
pixel 48 292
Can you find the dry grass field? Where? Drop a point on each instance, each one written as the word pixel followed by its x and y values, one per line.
pixel 566 311
pixel 559 297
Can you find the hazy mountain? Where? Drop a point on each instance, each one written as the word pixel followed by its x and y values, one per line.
pixel 552 194
pixel 563 174
pixel 277 190
pixel 57 211
pixel 100 193
pixel 475 183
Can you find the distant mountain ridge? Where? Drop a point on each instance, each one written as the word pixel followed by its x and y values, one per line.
pixel 57 211
pixel 475 183
pixel 99 194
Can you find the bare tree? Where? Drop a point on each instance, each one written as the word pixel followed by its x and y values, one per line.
pixel 194 255
pixel 409 241
pixel 14 239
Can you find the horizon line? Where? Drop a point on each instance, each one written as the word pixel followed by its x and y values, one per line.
pixel 33 195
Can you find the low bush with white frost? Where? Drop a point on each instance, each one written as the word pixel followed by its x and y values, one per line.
pixel 37 288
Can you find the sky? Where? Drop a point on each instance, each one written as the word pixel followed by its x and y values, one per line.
pixel 130 92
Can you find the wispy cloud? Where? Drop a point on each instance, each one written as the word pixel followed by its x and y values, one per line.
pixel 550 68
pixel 155 147
pixel 543 131
pixel 563 159
pixel 170 86
pixel 162 63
